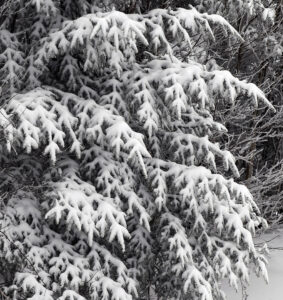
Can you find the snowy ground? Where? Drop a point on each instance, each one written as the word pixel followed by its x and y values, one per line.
pixel 258 289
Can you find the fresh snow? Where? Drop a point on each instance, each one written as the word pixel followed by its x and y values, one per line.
pixel 258 289
pixel 134 190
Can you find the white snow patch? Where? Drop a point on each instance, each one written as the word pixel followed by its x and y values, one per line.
pixel 258 289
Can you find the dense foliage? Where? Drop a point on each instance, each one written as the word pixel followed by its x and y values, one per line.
pixel 114 181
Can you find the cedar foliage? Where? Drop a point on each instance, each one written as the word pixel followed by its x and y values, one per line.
pixel 113 183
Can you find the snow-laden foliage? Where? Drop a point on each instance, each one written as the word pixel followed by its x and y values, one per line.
pixel 237 9
pixel 113 185
pixel 255 137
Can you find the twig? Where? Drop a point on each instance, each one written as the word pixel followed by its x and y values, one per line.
pixel 264 242
pixel 4 295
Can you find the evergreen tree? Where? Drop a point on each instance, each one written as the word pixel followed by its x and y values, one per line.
pixel 255 136
pixel 113 183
